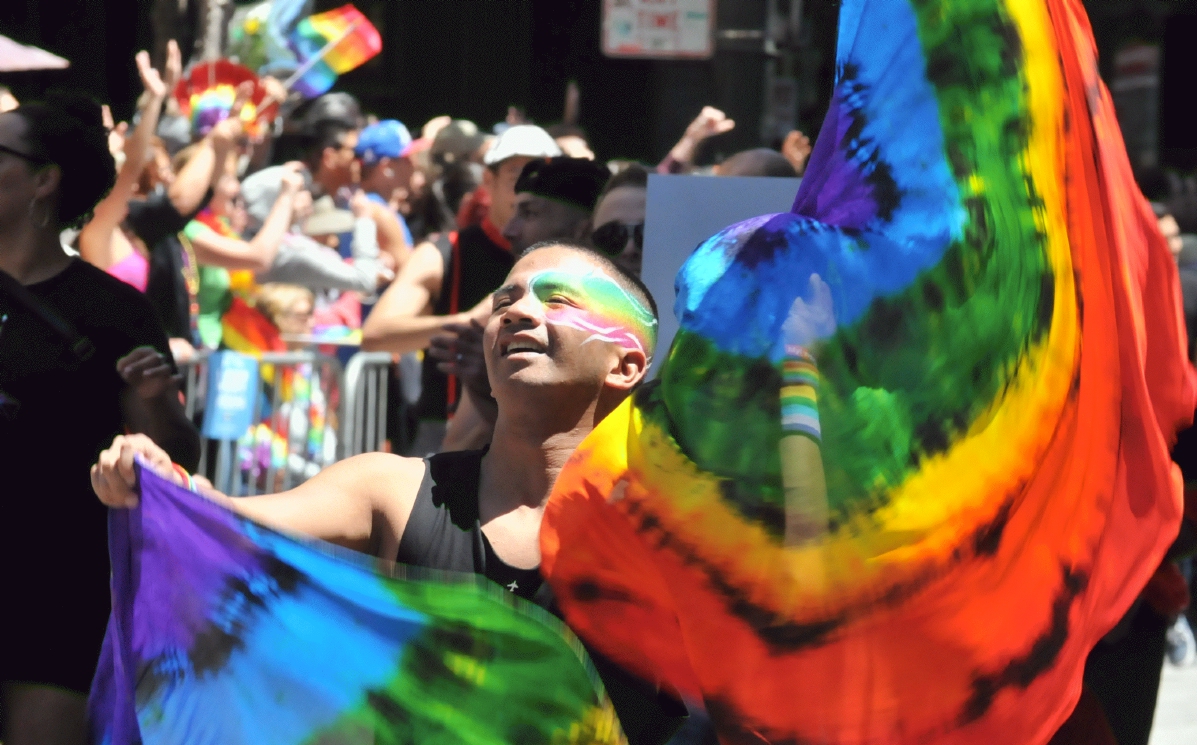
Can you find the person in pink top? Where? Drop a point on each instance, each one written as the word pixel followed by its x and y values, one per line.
pixel 102 243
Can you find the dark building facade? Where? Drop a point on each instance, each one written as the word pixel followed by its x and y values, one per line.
pixel 474 58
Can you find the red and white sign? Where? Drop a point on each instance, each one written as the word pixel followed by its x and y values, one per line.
pixel 661 29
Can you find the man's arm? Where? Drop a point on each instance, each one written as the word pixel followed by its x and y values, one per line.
pixel 362 503
pixel 400 322
pixel 390 233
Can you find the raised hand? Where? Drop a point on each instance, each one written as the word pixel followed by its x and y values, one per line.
pixel 796 148
pixel 292 180
pixel 150 79
pixel 116 137
pixel 709 122
pixel 174 65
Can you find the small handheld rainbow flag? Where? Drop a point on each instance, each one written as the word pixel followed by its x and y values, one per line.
pixel 329 44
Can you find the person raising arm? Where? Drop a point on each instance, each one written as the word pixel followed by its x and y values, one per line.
pixel 101 243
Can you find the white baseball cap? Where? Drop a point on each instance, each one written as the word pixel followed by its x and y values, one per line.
pixel 527 140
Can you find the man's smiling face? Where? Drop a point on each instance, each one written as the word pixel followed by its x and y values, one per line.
pixel 562 320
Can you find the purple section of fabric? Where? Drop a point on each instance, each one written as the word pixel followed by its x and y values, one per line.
pixel 834 188
pixel 198 544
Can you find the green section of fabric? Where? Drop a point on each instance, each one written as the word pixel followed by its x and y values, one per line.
pixel 913 374
pixel 919 368
pixel 480 673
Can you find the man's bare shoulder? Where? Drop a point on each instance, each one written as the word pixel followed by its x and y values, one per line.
pixel 386 470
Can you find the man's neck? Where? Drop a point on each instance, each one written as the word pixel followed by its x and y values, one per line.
pixel 30 255
pixel 525 457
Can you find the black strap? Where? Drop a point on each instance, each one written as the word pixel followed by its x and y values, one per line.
pixel 444 244
pixel 80 347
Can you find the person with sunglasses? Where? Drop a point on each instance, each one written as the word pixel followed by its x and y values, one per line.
pixel 554 199
pixel 82 359
pixel 619 218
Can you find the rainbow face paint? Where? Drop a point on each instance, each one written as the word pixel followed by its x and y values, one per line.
pixel 596 303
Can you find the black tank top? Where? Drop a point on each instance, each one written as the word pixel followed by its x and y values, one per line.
pixel 443 532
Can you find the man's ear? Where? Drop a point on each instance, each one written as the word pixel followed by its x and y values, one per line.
pixel 47 179
pixel 328 157
pixel 629 368
pixel 488 179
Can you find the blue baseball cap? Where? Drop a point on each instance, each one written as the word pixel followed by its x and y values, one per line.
pixel 387 139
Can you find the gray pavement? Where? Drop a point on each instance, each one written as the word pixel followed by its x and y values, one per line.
pixel 1176 708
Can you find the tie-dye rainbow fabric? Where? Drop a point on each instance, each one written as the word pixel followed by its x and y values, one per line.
pixel 224 632
pixel 982 485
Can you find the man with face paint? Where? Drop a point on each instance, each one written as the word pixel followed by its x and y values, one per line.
pixel 569 337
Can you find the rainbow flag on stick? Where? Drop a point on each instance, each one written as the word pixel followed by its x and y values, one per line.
pixel 329 44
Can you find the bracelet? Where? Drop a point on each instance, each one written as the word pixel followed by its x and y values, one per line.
pixel 800 394
pixel 186 477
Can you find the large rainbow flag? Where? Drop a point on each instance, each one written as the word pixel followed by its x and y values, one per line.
pixel 354 39
pixel 907 459
pixel 225 632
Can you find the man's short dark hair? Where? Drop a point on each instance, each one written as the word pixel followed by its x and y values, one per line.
pixel 324 135
pixel 634 175
pixel 625 279
pixel 760 161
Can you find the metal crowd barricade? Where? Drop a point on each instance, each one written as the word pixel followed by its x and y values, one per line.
pixel 308 414
pixel 364 424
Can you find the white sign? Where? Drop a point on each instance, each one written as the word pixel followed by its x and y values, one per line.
pixel 682 212
pixel 664 29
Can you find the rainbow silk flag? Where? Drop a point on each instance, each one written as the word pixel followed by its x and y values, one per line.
pixel 906 461
pixel 225 632
pixel 356 40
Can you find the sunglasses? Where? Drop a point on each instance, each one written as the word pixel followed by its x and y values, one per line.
pixel 23 156
pixel 612 238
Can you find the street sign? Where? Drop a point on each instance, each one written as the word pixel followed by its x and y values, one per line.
pixel 659 29
pixel 232 392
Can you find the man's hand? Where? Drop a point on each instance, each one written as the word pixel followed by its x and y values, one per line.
pixel 709 122
pixel 459 352
pixel 292 182
pixel 114 477
pixel 146 371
